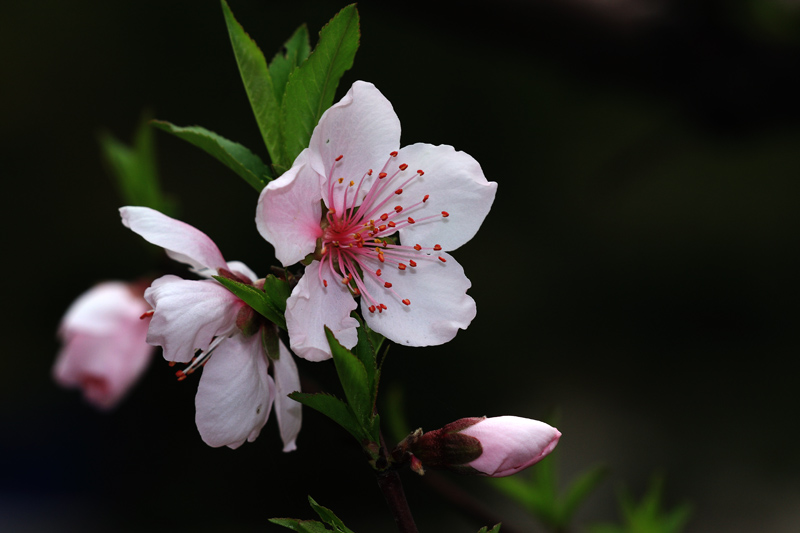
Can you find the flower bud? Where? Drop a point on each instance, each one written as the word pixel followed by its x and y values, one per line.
pixel 495 447
pixel 104 349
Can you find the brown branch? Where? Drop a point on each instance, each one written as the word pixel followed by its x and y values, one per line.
pixel 392 488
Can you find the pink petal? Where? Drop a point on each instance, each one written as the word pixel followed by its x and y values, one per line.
pixel 439 304
pixel 313 306
pixel 189 314
pixel 363 128
pixel 511 444
pixel 181 241
pixel 104 351
pixel 455 184
pixel 289 211
pixel 288 411
pixel 235 393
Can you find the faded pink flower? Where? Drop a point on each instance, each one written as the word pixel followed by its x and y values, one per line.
pixel 195 319
pixel 378 222
pixel 104 349
pixel 495 447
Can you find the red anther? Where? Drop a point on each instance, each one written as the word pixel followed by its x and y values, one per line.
pixel 380 258
pixel 403 166
pixel 412 262
pixel 382 227
pixel 442 259
pixel 393 154
pixel 410 220
pixel 171 364
pixel 360 244
pixel 378 272
pixel 383 306
pixel 437 247
pixel 380 308
pixel 356 292
pixel 406 301
pixel 332 211
pixel 371 308
pixel 445 214
pixel 384 216
pixel 392 224
pixel 339 158
pixel 398 208
pixel 417 247
pixel 420 172
pixel 399 191
pixel 147 314
pixel 401 266
pixel 382 175
pixel 181 375
pixel 325 282
pixel 345 281
pixel 341 180
pixel 425 199
pixel 387 285
pixel 369 172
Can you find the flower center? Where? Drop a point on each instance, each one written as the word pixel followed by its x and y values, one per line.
pixel 359 241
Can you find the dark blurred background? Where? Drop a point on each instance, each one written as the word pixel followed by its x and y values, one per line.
pixel 636 277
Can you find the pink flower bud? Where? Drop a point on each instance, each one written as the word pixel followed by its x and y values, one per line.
pixel 104 350
pixel 494 447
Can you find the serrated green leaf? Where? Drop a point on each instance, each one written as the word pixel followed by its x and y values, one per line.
pixel 294 52
pixel 233 155
pixel 258 85
pixel 312 87
pixel 327 516
pixel 134 168
pixel 355 383
pixel 255 298
pixel 579 490
pixel 278 291
pixel 495 529
pixel 333 408
pixel 301 526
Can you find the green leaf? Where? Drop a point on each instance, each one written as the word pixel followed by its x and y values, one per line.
pixel 294 52
pixel 278 291
pixel 312 87
pixel 485 529
pixel 255 298
pixel 328 517
pixel 258 85
pixel 233 155
pixel 134 168
pixel 579 490
pixel 333 408
pixel 353 377
pixel 301 526
pixel 365 352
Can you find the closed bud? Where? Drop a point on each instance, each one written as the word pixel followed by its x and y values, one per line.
pixel 495 447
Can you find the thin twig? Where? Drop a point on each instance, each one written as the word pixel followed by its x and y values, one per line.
pixel 392 488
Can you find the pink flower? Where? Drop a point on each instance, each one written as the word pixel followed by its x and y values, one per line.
pixel 379 221
pixel 104 350
pixel 195 319
pixel 495 447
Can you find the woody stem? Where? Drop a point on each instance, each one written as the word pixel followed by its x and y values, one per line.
pixel 392 488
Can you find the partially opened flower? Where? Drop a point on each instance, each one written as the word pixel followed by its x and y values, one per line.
pixel 195 319
pixel 104 348
pixel 379 221
pixel 495 447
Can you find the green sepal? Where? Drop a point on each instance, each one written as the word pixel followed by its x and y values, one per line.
pixel 353 376
pixel 301 526
pixel 134 168
pixel 328 517
pixel 271 341
pixel 255 298
pixel 333 408
pixel 258 85
pixel 495 529
pixel 295 51
pixel 312 86
pixel 233 155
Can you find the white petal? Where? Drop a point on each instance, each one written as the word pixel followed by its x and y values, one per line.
pixel 456 185
pixel 235 395
pixel 363 128
pixel 313 306
pixel 181 241
pixel 101 309
pixel 289 211
pixel 288 411
pixel 439 306
pixel 188 315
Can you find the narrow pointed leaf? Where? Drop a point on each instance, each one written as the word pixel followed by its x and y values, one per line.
pixel 233 155
pixel 278 291
pixel 312 86
pixel 495 529
pixel 354 380
pixel 258 85
pixel 301 526
pixel 255 298
pixel 333 408
pixel 365 352
pixel 294 52
pixel 327 516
